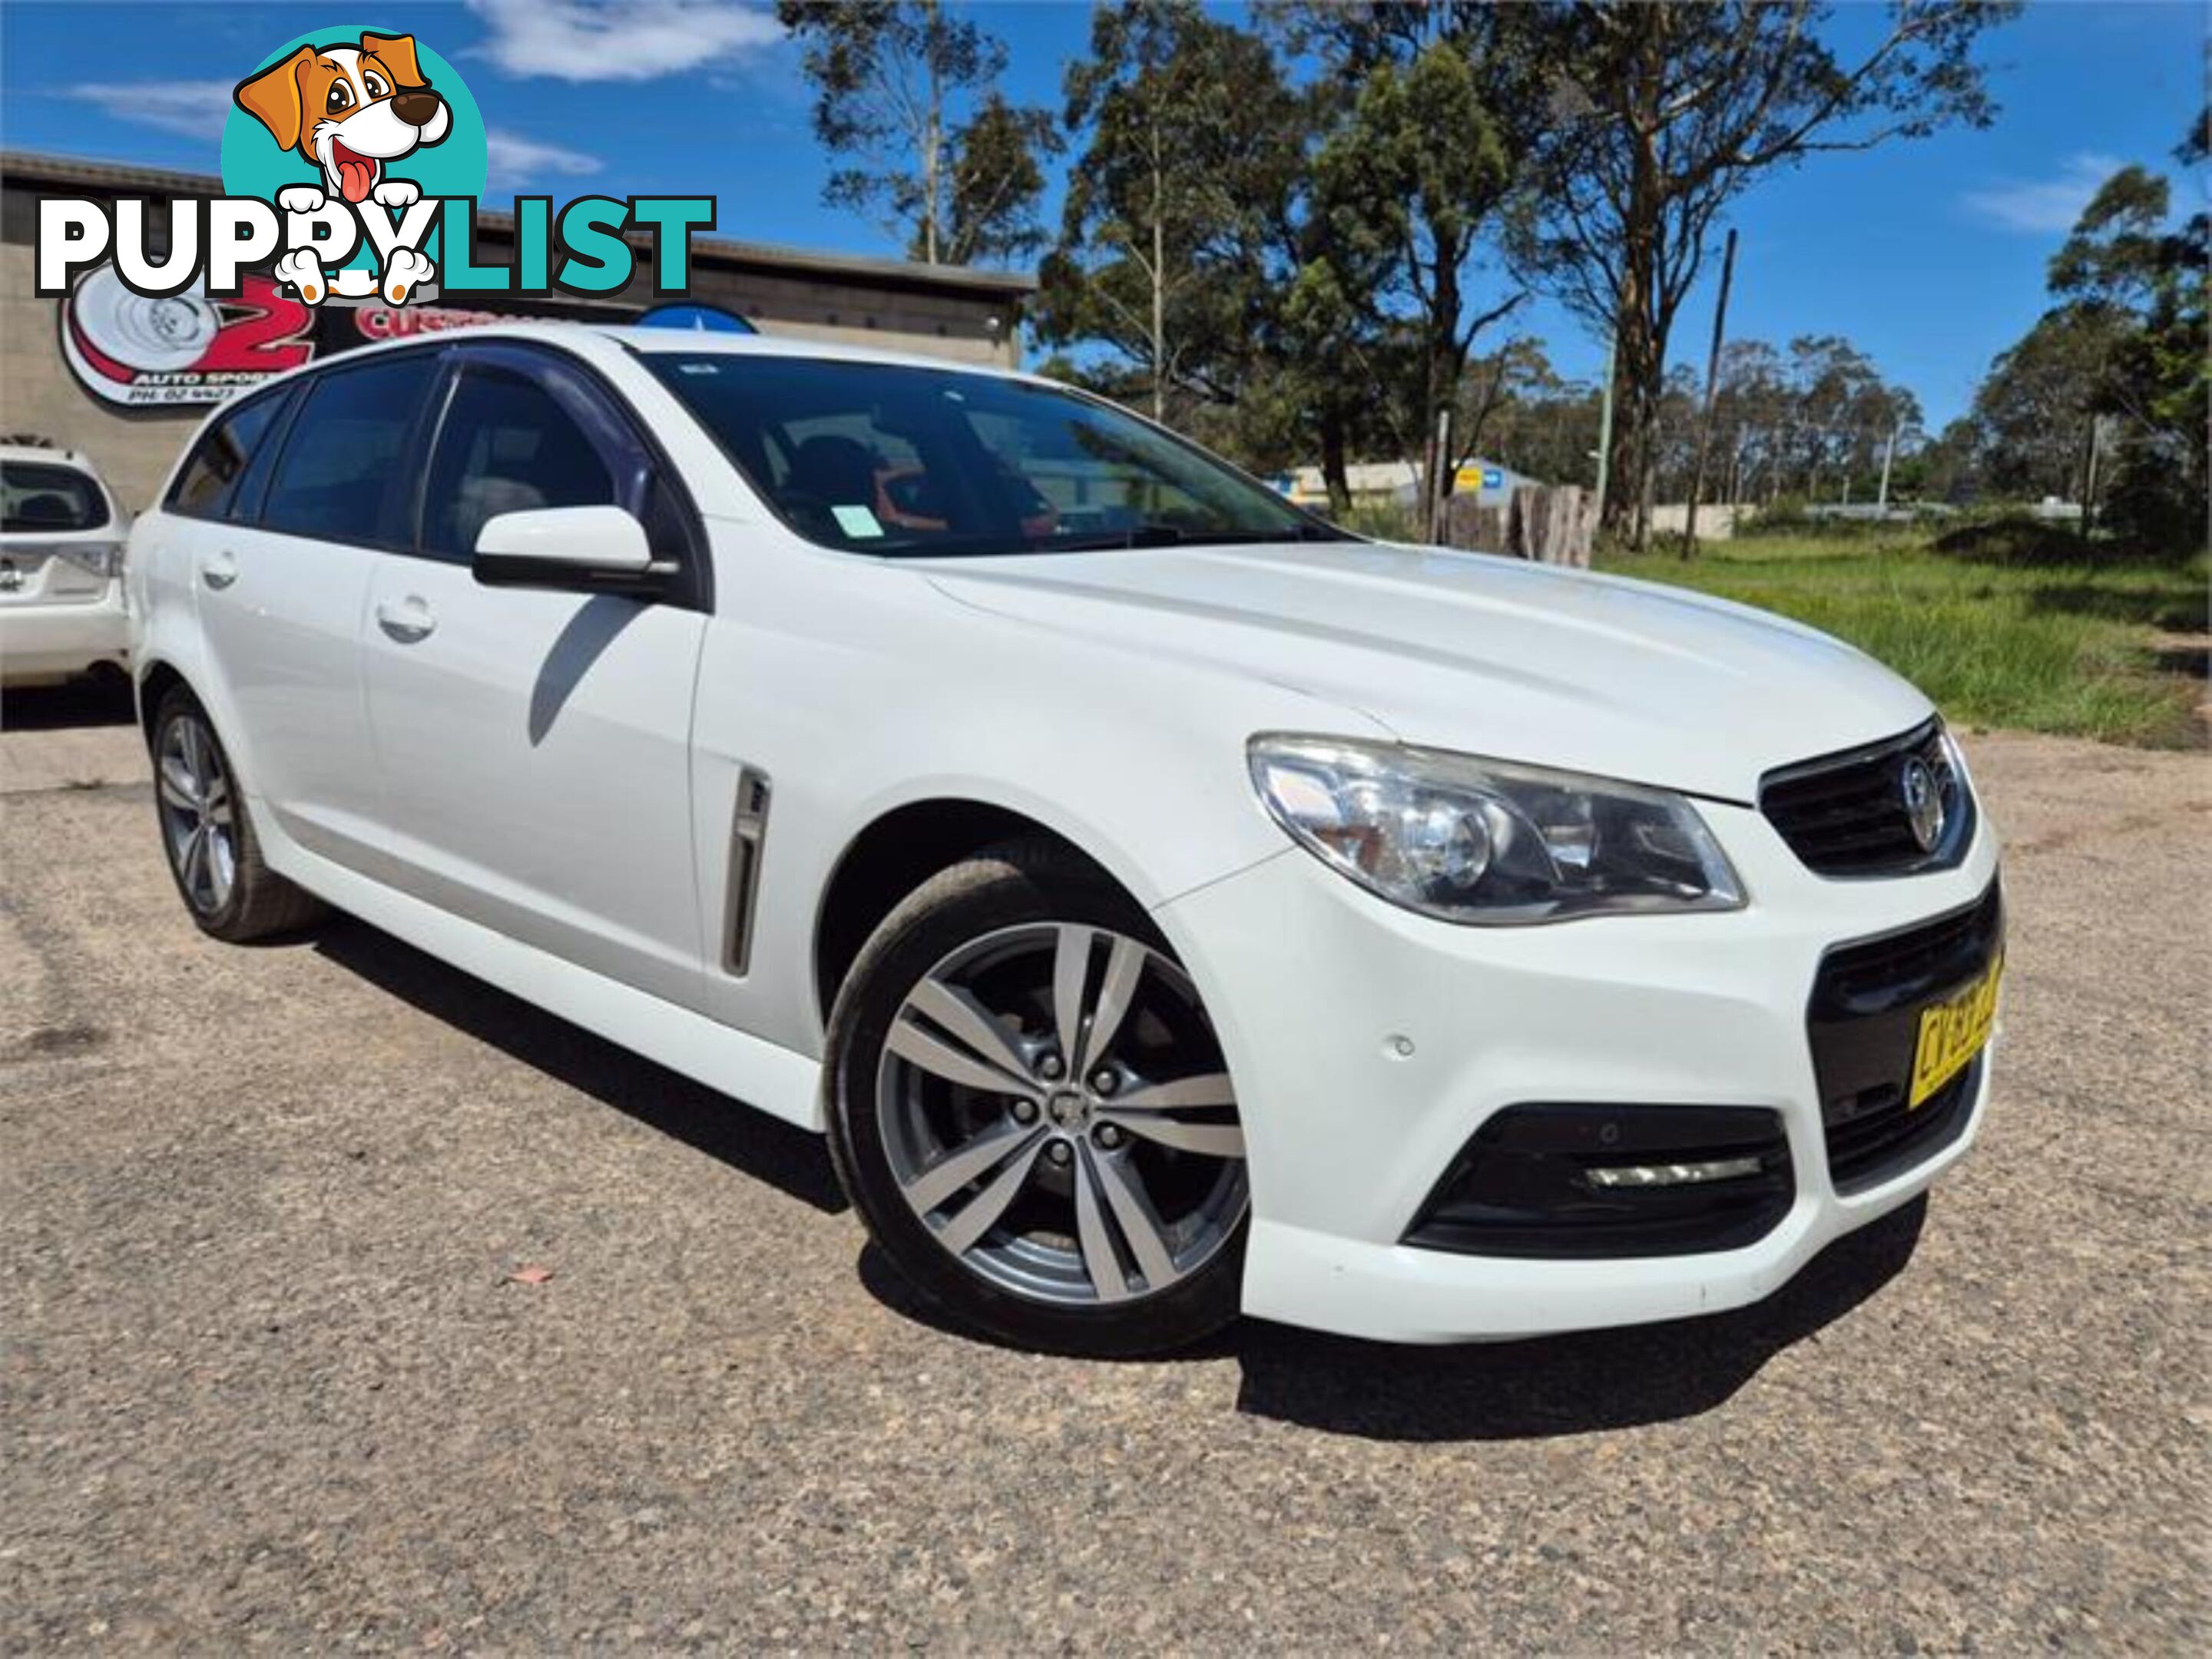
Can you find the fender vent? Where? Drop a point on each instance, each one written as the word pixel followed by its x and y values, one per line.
pixel 748 838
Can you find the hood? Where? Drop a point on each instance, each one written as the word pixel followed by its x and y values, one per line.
pixel 1484 655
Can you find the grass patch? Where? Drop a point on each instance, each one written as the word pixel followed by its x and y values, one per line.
pixel 2037 645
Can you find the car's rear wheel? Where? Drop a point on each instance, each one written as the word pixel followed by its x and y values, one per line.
pixel 208 835
pixel 1031 1114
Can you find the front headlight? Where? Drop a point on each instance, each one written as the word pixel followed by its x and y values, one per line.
pixel 1488 842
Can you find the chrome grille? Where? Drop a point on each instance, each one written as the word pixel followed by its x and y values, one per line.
pixel 1845 815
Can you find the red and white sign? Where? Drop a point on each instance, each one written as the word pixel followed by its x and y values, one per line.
pixel 143 353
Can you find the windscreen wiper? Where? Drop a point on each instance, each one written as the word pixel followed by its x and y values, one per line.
pixel 1167 535
pixel 1142 535
pixel 1304 533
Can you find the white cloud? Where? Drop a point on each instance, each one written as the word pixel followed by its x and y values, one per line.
pixel 515 160
pixel 620 40
pixel 2045 206
pixel 194 108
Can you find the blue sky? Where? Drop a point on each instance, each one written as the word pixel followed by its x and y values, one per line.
pixel 1929 255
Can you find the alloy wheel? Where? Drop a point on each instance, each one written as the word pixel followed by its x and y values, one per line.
pixel 1057 1113
pixel 198 813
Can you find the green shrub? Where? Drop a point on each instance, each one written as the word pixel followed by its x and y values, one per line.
pixel 1785 512
pixel 1384 519
pixel 2017 539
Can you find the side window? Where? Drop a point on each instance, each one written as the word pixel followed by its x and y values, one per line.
pixel 507 446
pixel 339 476
pixel 202 489
pixel 243 505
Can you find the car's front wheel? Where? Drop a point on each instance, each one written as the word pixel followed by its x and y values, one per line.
pixel 1031 1114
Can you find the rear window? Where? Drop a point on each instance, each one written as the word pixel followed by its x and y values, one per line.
pixel 339 475
pixel 204 488
pixel 45 496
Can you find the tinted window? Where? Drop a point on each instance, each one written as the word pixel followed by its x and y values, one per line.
pixel 506 446
pixel 45 496
pixel 339 476
pixel 244 503
pixel 202 489
pixel 890 459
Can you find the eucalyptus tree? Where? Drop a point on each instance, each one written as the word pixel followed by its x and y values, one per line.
pixel 1435 107
pixel 2104 399
pixel 2136 282
pixel 2031 414
pixel 905 93
pixel 1188 144
pixel 1662 113
pixel 994 182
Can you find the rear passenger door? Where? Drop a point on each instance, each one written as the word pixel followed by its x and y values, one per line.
pixel 534 744
pixel 280 560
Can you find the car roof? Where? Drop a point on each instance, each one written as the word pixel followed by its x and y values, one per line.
pixel 74 458
pixel 653 342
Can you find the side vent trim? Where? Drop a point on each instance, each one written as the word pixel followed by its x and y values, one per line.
pixel 748 839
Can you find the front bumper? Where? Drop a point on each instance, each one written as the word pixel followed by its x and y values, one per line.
pixel 1369 1044
pixel 49 643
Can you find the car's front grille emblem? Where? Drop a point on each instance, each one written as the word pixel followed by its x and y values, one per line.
pixel 1923 795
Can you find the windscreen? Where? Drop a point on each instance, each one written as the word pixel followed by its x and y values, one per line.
pixel 42 496
pixel 918 462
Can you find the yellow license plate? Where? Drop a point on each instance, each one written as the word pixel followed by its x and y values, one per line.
pixel 1952 1033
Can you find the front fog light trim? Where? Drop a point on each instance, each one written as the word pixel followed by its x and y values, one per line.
pixel 1523 1185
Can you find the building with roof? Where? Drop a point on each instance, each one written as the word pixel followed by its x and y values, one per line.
pixel 126 379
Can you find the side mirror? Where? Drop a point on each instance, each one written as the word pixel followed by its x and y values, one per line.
pixel 584 550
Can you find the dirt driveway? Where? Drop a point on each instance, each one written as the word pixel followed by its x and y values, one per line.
pixel 267 1377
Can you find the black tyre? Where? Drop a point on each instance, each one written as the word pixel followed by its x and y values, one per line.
pixel 1029 1111
pixel 208 834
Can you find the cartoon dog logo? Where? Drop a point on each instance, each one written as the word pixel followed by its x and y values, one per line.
pixel 349 109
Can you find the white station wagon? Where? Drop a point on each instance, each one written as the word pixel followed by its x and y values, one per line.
pixel 61 569
pixel 1167 904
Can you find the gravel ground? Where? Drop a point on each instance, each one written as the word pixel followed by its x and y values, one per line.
pixel 269 1377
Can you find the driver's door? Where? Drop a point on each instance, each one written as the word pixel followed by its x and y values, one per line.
pixel 534 744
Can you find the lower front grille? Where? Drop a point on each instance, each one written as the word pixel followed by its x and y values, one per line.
pixel 1875 1135
pixel 1534 1181
pixel 1864 1022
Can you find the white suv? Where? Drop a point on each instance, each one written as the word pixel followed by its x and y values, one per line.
pixel 61 569
pixel 1167 904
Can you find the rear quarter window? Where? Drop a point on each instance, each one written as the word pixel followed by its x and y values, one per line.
pixel 211 474
pixel 49 496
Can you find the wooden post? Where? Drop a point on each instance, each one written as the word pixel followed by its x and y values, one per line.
pixel 1437 491
pixel 1712 389
pixel 1605 424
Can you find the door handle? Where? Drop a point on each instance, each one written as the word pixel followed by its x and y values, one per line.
pixel 220 572
pixel 409 621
